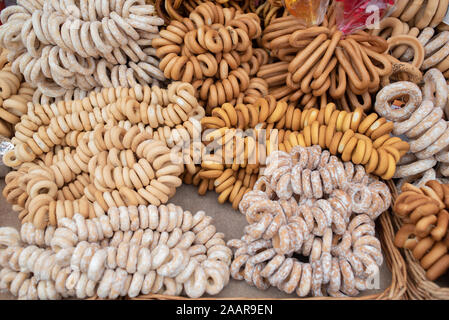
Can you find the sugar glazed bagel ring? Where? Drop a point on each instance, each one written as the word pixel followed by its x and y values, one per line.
pixel 341 248
pixel 421 15
pixel 421 120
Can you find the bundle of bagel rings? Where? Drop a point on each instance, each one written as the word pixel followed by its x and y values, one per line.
pixel 235 146
pixel 130 251
pixel 109 149
pixel 421 117
pixel 421 15
pixel 426 47
pixel 177 9
pixel 59 45
pixel 14 96
pixel 309 203
pixel 212 49
pixel 112 105
pixel 423 212
pixel 319 63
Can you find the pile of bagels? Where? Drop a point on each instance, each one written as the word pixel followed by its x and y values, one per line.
pixel 108 107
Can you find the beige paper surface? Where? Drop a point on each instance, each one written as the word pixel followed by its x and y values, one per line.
pixel 226 220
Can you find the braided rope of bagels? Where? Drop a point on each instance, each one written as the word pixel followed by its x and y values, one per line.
pixel 421 120
pixel 342 256
pixel 180 264
pixel 420 16
pixel 58 50
pixel 424 229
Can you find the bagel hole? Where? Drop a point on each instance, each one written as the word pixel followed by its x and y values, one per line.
pixel 44 190
pixel 399 102
pixel 210 281
pixel 300 257
pixel 260 250
pixel 357 196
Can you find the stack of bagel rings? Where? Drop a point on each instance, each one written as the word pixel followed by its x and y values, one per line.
pixel 143 250
pixel 109 106
pixel 319 63
pixel 59 46
pixel 331 225
pixel 422 120
pixel 235 140
pixel 109 149
pixel 270 125
pixel 212 49
pixel 419 15
pixel 14 96
pixel 424 231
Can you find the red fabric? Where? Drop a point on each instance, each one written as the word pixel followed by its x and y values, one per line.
pixel 352 14
pixel 2 6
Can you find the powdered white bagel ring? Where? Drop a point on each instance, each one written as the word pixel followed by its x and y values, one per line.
pixel 158 255
pixel 394 90
pixel 196 285
pixel 175 265
pixel 97 265
pixel 417 116
pixel 434 82
pixel 361 198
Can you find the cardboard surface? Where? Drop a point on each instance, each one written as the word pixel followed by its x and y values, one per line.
pixel 226 220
